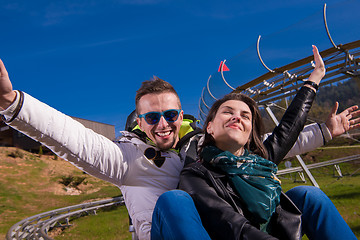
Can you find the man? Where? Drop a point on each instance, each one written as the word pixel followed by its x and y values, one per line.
pixel 142 165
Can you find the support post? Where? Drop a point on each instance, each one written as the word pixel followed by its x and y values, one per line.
pixel 302 164
pixel 338 170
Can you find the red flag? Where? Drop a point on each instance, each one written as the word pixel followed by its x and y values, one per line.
pixel 225 68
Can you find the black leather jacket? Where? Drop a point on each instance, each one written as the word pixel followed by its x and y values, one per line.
pixel 218 205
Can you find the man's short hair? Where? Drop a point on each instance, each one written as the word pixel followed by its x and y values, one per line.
pixel 154 86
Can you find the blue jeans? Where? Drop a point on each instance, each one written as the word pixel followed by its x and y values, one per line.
pixel 320 218
pixel 175 217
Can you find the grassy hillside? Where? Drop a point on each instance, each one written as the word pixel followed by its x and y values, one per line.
pixel 31 184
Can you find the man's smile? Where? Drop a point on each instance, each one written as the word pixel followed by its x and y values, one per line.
pixel 163 134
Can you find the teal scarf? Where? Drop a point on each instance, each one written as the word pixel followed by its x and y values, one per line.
pixel 253 178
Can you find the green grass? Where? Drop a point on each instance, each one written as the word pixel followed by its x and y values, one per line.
pixel 344 192
pixel 111 224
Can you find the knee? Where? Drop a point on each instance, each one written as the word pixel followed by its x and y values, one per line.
pixel 174 203
pixel 306 191
pixel 173 198
pixel 307 195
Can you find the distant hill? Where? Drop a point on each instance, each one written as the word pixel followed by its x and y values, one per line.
pixel 346 93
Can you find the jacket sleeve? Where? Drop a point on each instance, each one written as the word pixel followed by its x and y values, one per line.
pixel 286 133
pixel 310 138
pixel 69 139
pixel 219 218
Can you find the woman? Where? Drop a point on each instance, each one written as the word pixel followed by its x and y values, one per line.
pixel 234 187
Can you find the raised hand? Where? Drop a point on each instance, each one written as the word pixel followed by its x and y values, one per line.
pixel 319 71
pixel 345 121
pixel 7 95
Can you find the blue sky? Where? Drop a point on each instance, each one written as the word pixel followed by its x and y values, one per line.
pixel 88 58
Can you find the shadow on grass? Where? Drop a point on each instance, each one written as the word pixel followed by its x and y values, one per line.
pixel 350 195
pixel 110 208
pixel 356 230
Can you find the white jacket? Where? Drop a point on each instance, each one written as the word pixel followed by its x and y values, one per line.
pixel 123 163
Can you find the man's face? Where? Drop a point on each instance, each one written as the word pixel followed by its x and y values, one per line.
pixel 164 134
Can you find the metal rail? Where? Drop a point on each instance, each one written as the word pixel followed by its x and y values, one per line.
pixel 320 164
pixel 37 226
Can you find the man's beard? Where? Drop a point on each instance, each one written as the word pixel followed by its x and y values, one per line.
pixel 167 145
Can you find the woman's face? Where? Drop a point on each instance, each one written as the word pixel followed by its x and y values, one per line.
pixel 231 126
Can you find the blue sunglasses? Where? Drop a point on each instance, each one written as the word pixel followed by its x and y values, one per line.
pixel 153 118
